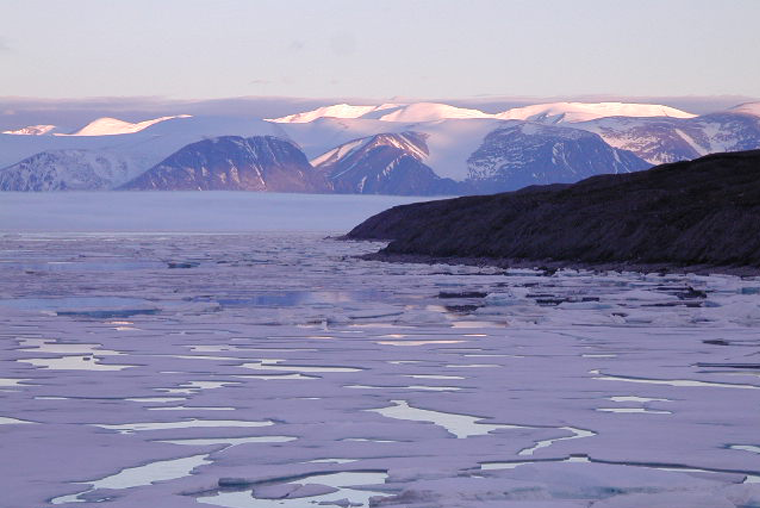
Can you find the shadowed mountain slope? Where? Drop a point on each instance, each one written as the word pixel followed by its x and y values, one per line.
pixel 516 156
pixel 258 163
pixel 705 211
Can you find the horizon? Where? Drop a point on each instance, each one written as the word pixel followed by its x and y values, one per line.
pixel 73 113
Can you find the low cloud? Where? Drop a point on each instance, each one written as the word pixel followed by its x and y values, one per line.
pixel 5 45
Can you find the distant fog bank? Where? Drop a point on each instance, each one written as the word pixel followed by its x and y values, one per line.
pixel 187 211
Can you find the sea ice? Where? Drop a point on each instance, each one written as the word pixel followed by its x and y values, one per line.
pixel 555 390
pixel 320 489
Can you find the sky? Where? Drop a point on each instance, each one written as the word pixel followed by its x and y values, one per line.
pixel 382 50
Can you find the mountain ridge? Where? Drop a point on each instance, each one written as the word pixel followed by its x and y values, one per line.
pixel 554 112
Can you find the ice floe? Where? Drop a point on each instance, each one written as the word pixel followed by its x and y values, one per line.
pixel 280 370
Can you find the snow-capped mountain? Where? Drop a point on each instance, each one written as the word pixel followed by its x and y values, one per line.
pixel 335 111
pixel 69 170
pixel 551 113
pixel 661 140
pixel 528 154
pixel 113 126
pixel 406 113
pixel 154 142
pixel 143 149
pixel 411 143
pixel 259 163
pixel 33 130
pixel 497 156
pixel 450 142
pixel 387 163
pixel 431 112
pixel 105 126
pixel 572 112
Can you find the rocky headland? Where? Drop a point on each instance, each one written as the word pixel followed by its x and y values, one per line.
pixel 702 214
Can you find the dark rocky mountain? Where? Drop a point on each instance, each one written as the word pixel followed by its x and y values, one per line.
pixel 526 154
pixel 705 211
pixel 386 163
pixel 258 163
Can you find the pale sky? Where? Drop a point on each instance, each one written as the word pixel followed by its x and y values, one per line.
pixel 200 49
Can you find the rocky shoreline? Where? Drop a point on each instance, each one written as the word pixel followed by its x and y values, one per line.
pixel 551 266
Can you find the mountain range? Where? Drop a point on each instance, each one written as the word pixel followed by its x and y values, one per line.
pixel 410 149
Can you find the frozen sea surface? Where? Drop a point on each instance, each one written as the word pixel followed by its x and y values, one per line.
pixel 276 370
pixel 211 211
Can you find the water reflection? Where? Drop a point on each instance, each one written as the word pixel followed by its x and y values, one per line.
pixel 296 298
pixel 97 307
